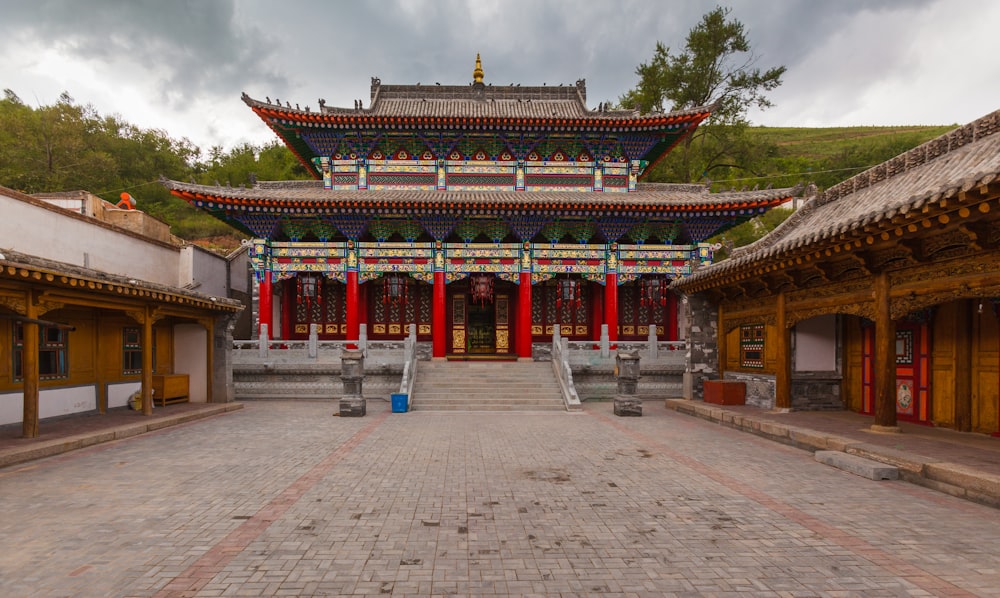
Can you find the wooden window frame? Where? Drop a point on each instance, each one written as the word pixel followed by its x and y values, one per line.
pixel 53 352
pixel 752 346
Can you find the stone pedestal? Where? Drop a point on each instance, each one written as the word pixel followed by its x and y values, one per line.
pixel 352 404
pixel 628 406
pixel 353 407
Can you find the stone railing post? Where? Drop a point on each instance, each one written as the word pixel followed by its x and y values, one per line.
pixel 605 342
pixel 363 339
pixel 264 340
pixel 313 341
pixel 653 340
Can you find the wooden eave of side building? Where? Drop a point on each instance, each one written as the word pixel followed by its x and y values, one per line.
pixel 935 231
pixel 58 285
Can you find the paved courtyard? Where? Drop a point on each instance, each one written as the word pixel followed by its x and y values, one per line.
pixel 283 499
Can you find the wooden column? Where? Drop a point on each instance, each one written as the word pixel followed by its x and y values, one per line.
pixel 524 316
pixel 783 370
pixel 29 369
pixel 438 324
pixel 353 322
pixel 885 355
pixel 147 361
pixel 611 305
pixel 963 366
pixel 265 305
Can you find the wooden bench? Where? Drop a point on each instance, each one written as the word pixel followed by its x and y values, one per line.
pixel 170 388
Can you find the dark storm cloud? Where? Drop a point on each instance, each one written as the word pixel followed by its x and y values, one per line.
pixel 190 47
pixel 188 61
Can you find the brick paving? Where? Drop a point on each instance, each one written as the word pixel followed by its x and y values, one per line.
pixel 283 499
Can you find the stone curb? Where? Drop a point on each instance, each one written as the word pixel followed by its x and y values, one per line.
pixel 957 480
pixel 58 446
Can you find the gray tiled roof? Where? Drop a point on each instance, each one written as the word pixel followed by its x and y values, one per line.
pixel 477 101
pixel 15 258
pixel 663 195
pixel 959 160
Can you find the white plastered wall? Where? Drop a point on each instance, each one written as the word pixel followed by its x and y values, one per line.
pixel 51 402
pixel 816 344
pixel 191 358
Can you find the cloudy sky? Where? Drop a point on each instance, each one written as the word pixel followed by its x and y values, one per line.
pixel 181 65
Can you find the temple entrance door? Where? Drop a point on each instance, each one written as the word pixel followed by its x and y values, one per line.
pixel 482 326
pixel 912 371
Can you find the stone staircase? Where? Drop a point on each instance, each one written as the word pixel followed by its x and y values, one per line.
pixel 486 386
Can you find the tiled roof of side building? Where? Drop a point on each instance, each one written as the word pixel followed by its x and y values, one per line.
pixel 959 160
pixel 660 195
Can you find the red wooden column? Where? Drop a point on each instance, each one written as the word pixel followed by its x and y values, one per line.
pixel 265 305
pixel 611 294
pixel 353 322
pixel 885 355
pixel 438 324
pixel 524 316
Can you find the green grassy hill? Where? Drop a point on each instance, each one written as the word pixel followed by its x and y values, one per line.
pixel 823 157
pixel 826 156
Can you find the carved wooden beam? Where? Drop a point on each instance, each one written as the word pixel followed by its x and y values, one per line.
pixel 862 261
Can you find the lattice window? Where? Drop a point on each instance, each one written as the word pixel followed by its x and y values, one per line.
pixel 752 346
pixel 53 352
pixel 131 351
pixel 904 347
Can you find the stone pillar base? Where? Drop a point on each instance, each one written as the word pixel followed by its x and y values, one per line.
pixel 628 406
pixel 353 407
pixel 886 429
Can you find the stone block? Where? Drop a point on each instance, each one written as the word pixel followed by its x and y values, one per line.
pixel 725 392
pixel 628 406
pixel 866 468
pixel 353 407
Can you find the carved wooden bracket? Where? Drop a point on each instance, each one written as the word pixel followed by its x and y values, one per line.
pixel 15 304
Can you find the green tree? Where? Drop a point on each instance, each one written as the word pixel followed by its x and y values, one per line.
pixel 715 67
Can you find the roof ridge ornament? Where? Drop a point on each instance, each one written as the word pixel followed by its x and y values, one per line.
pixel 477 73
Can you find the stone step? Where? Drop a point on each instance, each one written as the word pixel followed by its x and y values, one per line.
pixel 486 386
pixel 488 407
pixel 866 468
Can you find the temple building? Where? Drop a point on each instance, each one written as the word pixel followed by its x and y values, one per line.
pixel 880 295
pixel 488 216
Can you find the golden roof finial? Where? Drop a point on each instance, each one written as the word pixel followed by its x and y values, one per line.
pixel 477 73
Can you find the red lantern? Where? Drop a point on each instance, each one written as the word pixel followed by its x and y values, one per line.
pixel 394 289
pixel 652 291
pixel 569 291
pixel 481 288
